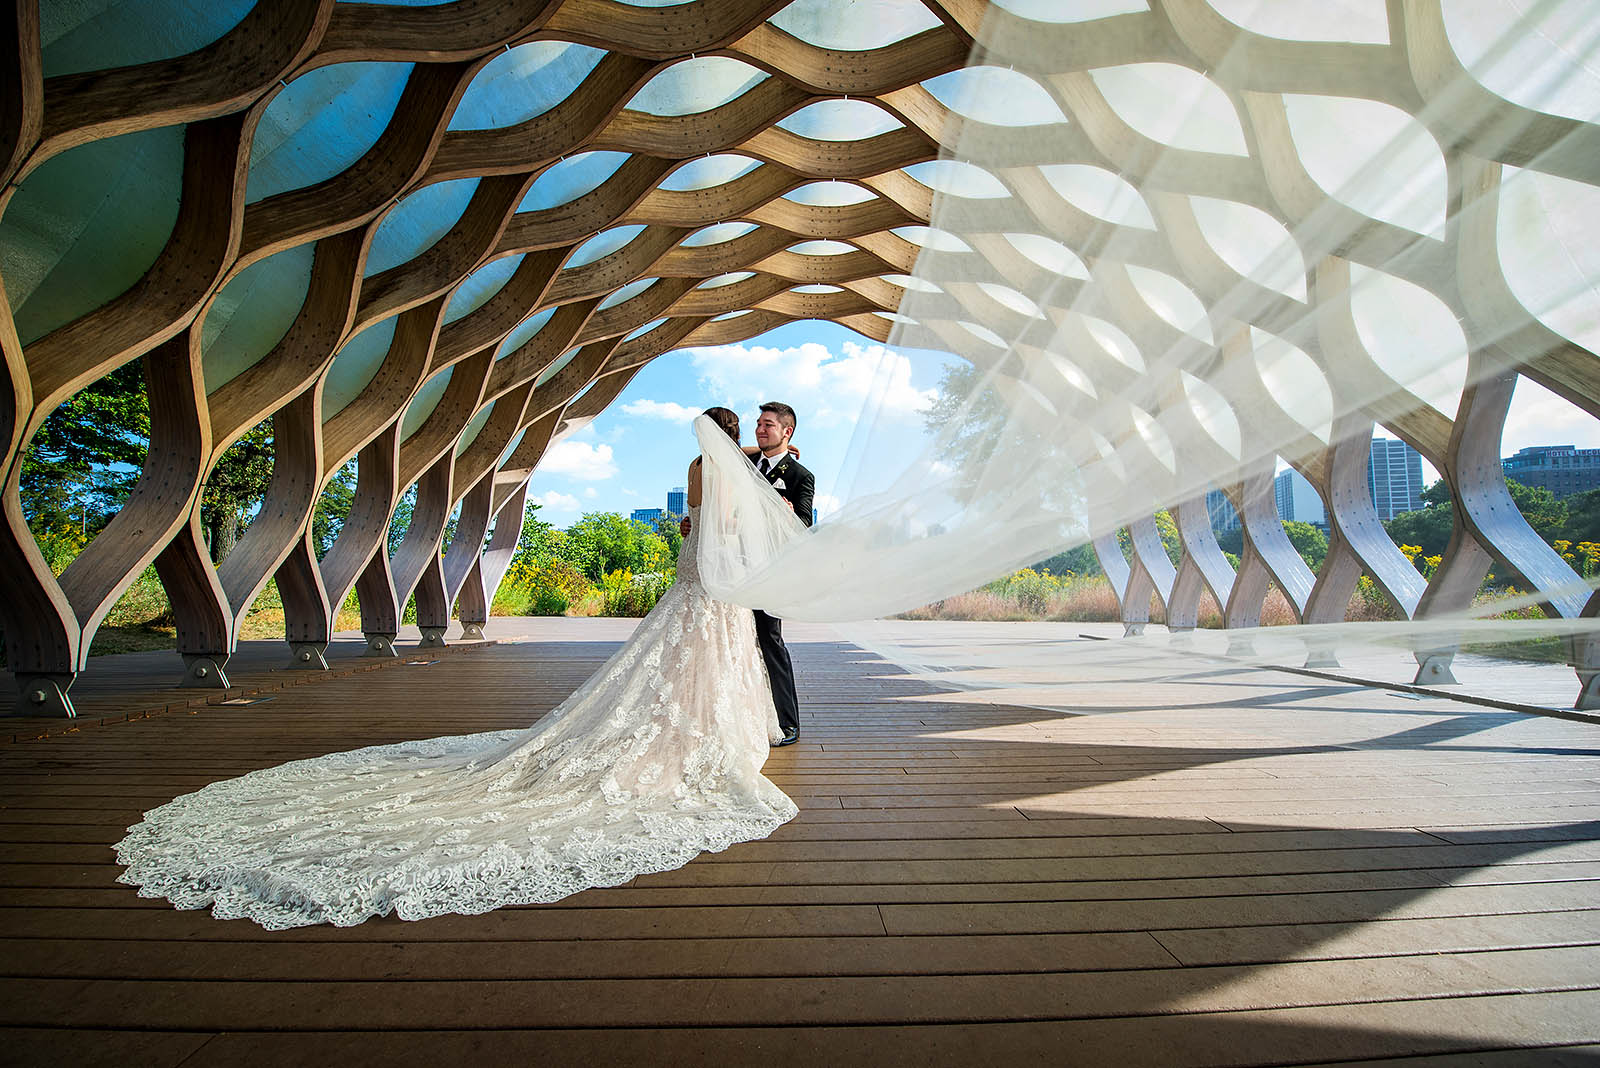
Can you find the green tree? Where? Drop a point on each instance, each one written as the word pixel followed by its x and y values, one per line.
pixel 1429 527
pixel 666 529
pixel 1310 542
pixel 400 522
pixel 964 417
pixel 1231 542
pixel 235 487
pixel 1583 517
pixel 333 508
pixel 1080 560
pixel 82 463
pixel 534 544
pixel 1169 538
pixel 1545 512
pixel 606 541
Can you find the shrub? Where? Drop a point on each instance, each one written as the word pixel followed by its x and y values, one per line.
pixel 1368 604
pixel 548 602
pixel 630 595
pixel 60 546
pixel 555 588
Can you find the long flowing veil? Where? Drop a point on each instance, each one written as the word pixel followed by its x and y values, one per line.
pixel 745 526
pixel 1178 245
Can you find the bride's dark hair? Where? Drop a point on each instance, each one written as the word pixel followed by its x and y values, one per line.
pixel 726 419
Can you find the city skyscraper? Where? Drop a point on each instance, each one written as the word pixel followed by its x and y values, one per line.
pixel 1220 509
pixel 1394 477
pixel 1297 499
pixel 677 500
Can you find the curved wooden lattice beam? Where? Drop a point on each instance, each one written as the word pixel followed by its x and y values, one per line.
pixel 223 90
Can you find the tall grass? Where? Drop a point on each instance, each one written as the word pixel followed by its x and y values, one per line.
pixel 557 588
pixel 1029 595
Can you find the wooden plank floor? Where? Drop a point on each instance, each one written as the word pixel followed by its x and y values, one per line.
pixel 1257 868
pixel 138 685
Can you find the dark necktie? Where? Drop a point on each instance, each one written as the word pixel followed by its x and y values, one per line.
pixel 765 466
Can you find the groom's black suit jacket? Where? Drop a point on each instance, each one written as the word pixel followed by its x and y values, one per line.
pixel 794 484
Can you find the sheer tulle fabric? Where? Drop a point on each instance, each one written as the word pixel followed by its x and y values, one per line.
pixel 1167 272
pixel 748 527
pixel 655 759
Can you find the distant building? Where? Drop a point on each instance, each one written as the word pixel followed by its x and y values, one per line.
pixel 648 515
pixel 678 500
pixel 1561 469
pixel 1298 499
pixel 1223 517
pixel 1394 478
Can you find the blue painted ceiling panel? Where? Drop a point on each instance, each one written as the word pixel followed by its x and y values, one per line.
pixel 417 222
pixel 253 312
pixel 86 225
pixel 85 35
pixel 355 365
pixel 523 83
pixel 322 123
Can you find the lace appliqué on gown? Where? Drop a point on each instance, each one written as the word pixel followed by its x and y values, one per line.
pixel 655 759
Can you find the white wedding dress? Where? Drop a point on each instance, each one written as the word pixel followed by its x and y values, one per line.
pixel 655 759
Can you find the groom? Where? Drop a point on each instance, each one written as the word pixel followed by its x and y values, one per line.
pixel 797 486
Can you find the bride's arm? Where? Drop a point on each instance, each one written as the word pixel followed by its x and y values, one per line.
pixel 753 451
pixel 691 494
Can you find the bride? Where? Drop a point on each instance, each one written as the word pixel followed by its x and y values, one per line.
pixel 653 760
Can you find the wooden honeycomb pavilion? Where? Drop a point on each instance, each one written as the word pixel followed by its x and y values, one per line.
pixel 437 239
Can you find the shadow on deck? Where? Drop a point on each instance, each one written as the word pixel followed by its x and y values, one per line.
pixel 1254 868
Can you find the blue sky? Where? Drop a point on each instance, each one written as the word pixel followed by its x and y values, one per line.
pixel 641 445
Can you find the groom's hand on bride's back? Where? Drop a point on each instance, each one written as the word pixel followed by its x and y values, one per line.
pixel 683 526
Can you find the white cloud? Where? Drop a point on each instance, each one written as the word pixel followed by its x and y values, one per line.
pixel 590 493
pixel 580 460
pixel 1540 417
pixel 556 502
pixel 671 411
pixel 825 389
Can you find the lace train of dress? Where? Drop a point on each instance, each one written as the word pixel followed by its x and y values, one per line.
pixel 653 760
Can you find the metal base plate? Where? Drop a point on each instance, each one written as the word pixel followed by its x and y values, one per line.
pixel 307 656
pixel 44 695
pixel 1326 659
pixel 380 645
pixel 204 671
pixel 1588 691
pixel 1433 669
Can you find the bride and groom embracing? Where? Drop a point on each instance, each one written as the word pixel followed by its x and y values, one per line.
pixel 655 759
pixel 777 462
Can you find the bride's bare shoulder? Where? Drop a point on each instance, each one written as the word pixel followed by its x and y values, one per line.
pixel 693 487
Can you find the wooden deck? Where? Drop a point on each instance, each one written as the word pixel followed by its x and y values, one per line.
pixel 1255 869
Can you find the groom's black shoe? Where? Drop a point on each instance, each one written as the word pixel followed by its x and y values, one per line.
pixel 789 738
